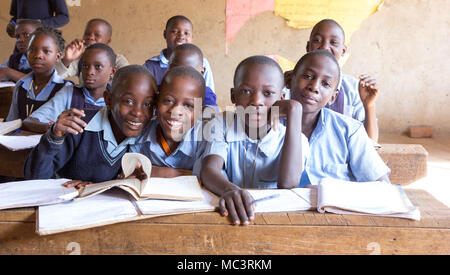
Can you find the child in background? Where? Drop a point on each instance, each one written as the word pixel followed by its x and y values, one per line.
pixel 32 91
pixel 178 31
pixel 173 139
pixel 191 56
pixel 339 145
pixel 17 66
pixel 88 145
pixel 252 153
pixel 97 71
pixel 356 98
pixel 97 31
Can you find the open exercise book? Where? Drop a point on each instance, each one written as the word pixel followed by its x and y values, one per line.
pixel 7 127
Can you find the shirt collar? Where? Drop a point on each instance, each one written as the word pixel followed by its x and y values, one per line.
pixel 87 94
pixel 100 122
pixel 26 81
pixel 186 146
pixel 236 133
pixel 163 61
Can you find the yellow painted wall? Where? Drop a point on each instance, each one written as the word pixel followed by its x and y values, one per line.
pixel 405 46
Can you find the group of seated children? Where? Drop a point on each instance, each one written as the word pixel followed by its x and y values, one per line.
pixel 266 141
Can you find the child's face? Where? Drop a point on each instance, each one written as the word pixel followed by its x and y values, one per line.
pixel 23 35
pixel 259 88
pixel 176 106
pixel 179 32
pixel 96 32
pixel 327 36
pixel 188 59
pixel 96 69
pixel 43 54
pixel 131 105
pixel 315 83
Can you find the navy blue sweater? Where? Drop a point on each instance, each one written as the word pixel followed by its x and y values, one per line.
pixel 52 13
pixel 78 157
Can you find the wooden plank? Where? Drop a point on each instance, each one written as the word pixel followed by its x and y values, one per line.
pixel 139 238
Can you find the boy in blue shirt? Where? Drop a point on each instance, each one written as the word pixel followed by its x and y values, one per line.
pixel 88 145
pixel 97 71
pixel 339 145
pixel 173 140
pixel 246 152
pixel 178 31
pixel 43 82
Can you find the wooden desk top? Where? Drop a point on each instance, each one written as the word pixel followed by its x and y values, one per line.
pixel 305 232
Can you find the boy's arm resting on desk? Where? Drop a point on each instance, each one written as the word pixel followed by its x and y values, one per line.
pixel 292 154
pixel 10 73
pixel 50 155
pixel 34 125
pixel 234 201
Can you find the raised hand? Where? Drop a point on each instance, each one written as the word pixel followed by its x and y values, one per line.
pixel 73 51
pixel 69 122
pixel 368 90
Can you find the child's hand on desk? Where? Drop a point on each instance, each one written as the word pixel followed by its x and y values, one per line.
pixel 70 122
pixel 368 90
pixel 238 204
pixel 76 183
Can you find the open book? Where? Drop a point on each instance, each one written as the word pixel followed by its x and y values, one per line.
pixel 179 188
pixel 364 198
pixel 7 127
pixel 17 143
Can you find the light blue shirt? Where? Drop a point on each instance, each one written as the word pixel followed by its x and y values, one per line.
pixel 99 123
pixel 23 63
pixel 249 163
pixel 61 102
pixel 340 149
pixel 43 95
pixel 209 80
pixel 184 157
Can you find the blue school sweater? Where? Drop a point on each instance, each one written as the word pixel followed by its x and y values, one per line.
pixel 77 157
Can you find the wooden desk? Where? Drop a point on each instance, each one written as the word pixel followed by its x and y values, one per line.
pixel 5 100
pixel 408 162
pixel 305 232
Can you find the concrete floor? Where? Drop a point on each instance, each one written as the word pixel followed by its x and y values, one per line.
pixel 437 182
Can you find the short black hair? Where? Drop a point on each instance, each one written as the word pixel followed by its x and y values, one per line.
pixel 187 47
pixel 103 21
pixel 109 52
pixel 316 53
pixel 53 33
pixel 256 59
pixel 126 71
pixel 329 21
pixel 34 22
pixel 184 71
pixel 176 18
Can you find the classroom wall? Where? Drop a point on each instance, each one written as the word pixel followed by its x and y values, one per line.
pixel 405 47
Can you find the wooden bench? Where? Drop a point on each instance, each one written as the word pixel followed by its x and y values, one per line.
pixel 305 232
pixel 408 162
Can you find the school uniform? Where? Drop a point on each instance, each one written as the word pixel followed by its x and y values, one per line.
pixel 159 65
pixel 25 102
pixel 74 68
pixel 184 157
pixel 66 98
pixel 93 155
pixel 340 149
pixel 19 62
pixel 52 13
pixel 248 163
pixel 349 101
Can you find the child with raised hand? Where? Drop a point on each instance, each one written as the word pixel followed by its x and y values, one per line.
pixel 356 98
pixel 17 66
pixel 36 88
pixel 88 145
pixel 173 140
pixel 191 56
pixel 339 145
pixel 178 31
pixel 246 152
pixel 97 71
pixel 97 31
